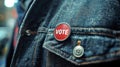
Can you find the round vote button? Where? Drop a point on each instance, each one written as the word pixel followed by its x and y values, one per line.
pixel 62 31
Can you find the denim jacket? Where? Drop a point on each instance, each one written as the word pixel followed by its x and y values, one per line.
pixel 96 23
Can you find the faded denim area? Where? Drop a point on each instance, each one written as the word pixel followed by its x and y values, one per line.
pixel 95 22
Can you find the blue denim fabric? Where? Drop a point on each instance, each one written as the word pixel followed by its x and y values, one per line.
pixel 95 22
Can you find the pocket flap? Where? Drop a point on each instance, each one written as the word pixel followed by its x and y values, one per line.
pixel 99 45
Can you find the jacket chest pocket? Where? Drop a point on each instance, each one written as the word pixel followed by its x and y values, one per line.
pixel 97 45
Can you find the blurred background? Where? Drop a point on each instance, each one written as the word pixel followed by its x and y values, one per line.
pixel 8 19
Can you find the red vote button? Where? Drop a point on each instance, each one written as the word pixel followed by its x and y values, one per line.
pixel 62 31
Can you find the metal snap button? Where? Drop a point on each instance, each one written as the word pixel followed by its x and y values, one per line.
pixel 78 51
pixel 28 32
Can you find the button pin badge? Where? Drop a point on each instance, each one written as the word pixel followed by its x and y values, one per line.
pixel 78 51
pixel 62 31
